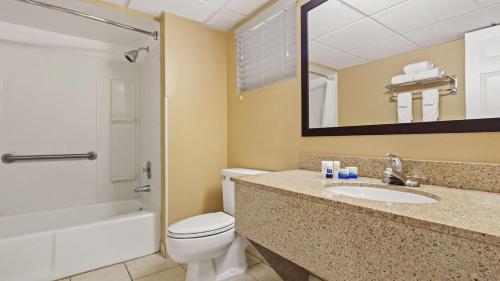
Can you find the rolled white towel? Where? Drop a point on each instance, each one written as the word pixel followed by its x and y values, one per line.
pixel 432 73
pixel 403 78
pixel 418 67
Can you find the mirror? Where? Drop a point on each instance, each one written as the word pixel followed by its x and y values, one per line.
pixel 400 66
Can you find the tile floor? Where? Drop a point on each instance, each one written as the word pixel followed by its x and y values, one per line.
pixel 157 268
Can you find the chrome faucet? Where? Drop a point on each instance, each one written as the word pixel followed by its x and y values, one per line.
pixel 146 188
pixel 395 174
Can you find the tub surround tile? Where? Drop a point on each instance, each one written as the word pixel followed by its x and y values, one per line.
pixel 357 239
pixel 116 272
pixel 148 265
pixel 172 274
pixel 463 175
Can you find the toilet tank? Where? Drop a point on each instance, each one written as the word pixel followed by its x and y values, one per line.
pixel 228 185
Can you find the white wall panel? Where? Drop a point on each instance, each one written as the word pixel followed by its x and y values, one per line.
pixel 118 140
pixel 54 101
pixel 149 77
pixel 47 106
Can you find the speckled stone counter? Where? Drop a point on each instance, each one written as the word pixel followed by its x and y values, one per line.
pixel 463 175
pixel 342 238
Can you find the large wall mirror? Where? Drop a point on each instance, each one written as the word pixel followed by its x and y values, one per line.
pixel 400 66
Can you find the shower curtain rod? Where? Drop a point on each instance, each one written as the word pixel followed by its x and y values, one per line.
pixel 154 34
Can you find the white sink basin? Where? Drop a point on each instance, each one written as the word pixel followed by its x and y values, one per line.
pixel 381 194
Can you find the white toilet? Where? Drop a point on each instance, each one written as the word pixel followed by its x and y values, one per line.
pixel 208 242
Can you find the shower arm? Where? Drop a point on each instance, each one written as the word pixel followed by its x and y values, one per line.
pixel 154 34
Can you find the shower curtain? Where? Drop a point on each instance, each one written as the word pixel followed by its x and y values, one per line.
pixel 330 106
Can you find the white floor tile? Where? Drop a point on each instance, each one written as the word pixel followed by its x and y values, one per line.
pixel 251 259
pixel 263 272
pixel 148 265
pixel 172 274
pixel 116 272
pixel 242 277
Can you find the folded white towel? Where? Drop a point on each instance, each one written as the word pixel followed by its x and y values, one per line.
pixel 432 73
pixel 418 67
pixel 430 105
pixel 405 108
pixel 403 78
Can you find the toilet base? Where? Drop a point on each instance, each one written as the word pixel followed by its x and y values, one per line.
pixel 201 271
pixel 231 263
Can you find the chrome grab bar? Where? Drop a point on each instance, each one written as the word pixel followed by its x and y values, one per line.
pixel 8 158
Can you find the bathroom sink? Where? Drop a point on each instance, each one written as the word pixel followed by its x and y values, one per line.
pixel 381 194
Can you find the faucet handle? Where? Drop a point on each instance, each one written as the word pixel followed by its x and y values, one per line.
pixel 396 162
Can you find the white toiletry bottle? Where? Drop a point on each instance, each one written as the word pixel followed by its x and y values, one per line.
pixel 336 168
pixel 327 169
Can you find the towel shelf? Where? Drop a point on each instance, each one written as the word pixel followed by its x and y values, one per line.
pixel 9 158
pixel 452 79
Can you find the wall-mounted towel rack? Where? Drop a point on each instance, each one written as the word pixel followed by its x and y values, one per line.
pixel 452 79
pixel 9 158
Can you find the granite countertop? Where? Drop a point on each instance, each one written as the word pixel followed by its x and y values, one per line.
pixel 469 214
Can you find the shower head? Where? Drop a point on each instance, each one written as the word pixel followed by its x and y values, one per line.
pixel 132 55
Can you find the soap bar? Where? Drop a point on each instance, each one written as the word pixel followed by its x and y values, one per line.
pixel 353 172
pixel 343 174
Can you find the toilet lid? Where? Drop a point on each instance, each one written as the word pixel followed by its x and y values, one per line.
pixel 201 226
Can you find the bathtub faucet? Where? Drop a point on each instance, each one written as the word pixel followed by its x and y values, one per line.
pixel 146 188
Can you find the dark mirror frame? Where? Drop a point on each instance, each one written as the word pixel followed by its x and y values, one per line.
pixel 453 126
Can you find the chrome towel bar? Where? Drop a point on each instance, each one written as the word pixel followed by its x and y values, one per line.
pixel 394 89
pixel 9 158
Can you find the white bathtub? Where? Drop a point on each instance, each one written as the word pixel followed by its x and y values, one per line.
pixel 55 244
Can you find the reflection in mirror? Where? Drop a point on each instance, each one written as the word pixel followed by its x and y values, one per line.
pixel 386 62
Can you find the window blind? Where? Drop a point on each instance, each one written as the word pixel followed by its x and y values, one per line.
pixel 267 49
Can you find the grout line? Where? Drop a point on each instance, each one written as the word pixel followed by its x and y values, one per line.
pixel 260 260
pixel 128 271
pixel 377 21
pixel 365 60
pixel 218 11
pixel 157 272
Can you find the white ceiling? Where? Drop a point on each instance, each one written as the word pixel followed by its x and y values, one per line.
pixel 346 33
pixel 218 14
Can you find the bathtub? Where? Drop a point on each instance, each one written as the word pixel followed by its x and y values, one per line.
pixel 55 244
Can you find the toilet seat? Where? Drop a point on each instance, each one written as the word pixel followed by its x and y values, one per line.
pixel 201 226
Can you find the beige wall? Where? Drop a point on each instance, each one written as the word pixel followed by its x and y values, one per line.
pixel 107 5
pixel 364 100
pixel 264 132
pixel 196 91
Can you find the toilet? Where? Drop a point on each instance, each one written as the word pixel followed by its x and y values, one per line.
pixel 208 243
